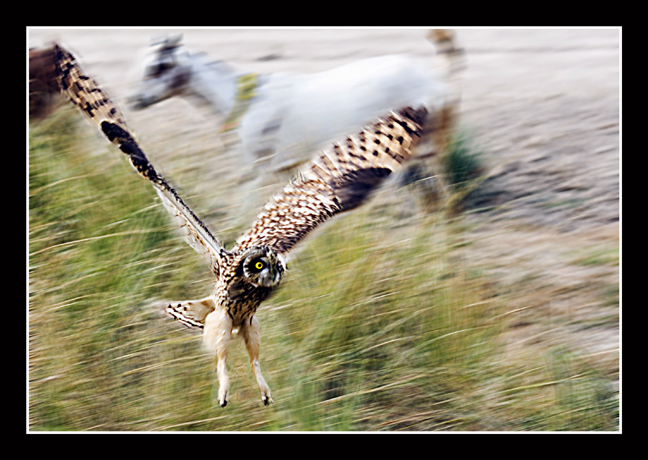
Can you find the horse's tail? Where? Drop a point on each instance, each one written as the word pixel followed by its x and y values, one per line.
pixel 450 62
pixel 451 56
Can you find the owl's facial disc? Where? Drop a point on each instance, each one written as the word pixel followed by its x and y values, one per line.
pixel 264 267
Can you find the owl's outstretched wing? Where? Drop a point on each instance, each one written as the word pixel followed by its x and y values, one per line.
pixel 338 180
pixel 84 92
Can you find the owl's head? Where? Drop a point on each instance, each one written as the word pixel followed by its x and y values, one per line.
pixel 263 266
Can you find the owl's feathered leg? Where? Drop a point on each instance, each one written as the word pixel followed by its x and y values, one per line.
pixel 216 337
pixel 252 337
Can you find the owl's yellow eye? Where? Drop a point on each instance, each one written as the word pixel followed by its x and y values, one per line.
pixel 258 265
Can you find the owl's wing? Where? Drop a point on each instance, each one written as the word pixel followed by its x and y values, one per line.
pixel 84 92
pixel 338 180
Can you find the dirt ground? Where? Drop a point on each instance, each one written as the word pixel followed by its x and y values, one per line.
pixel 541 104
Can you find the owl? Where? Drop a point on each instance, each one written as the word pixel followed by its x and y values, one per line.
pixel 337 180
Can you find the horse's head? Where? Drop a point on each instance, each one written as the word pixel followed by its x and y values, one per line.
pixel 166 73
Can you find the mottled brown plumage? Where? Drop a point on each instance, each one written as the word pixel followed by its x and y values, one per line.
pixel 338 180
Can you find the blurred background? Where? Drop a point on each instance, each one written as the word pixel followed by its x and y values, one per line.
pixel 498 312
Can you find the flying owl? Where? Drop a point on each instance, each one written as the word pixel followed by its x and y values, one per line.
pixel 337 180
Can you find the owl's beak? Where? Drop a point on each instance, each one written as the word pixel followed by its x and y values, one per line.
pixel 271 277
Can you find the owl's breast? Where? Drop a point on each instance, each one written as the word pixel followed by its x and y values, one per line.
pixel 241 299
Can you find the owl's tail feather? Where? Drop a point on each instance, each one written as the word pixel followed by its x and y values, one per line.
pixel 191 313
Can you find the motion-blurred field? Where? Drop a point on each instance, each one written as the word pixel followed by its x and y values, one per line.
pixel 377 327
pixel 501 317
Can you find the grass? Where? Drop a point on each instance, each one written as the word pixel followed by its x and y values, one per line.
pixel 462 167
pixel 376 327
pixel 599 255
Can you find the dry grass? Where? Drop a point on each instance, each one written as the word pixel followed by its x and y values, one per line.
pixel 377 326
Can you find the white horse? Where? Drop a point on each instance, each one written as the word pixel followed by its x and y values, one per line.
pixel 288 116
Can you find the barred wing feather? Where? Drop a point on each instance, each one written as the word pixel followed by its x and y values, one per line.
pixel 86 94
pixel 338 180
